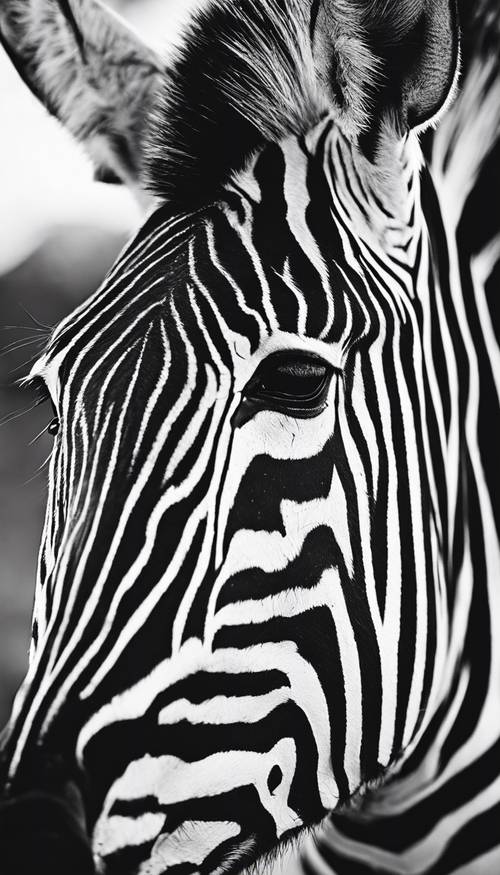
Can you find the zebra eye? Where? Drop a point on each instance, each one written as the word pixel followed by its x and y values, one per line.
pixel 291 382
pixel 53 426
pixel 295 378
pixel 42 396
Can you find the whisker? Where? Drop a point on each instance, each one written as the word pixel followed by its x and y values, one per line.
pixel 23 328
pixel 38 436
pixel 16 414
pixel 24 364
pixel 19 344
pixel 36 321
pixel 38 471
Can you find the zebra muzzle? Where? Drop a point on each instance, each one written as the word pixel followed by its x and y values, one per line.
pixel 40 833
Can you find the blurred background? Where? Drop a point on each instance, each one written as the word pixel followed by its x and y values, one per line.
pixel 59 233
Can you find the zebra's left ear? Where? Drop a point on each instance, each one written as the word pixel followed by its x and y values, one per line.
pixel 90 71
pixel 394 60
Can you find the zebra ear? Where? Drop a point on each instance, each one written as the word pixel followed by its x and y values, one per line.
pixel 382 60
pixel 90 71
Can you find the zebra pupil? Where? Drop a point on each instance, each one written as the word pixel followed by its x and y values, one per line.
pixel 303 379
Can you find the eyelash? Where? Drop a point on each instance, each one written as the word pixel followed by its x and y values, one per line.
pixel 39 386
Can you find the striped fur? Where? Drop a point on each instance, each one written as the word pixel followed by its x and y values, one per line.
pixel 439 812
pixel 253 614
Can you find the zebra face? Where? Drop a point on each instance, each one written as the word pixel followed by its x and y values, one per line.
pixel 209 648
pixel 243 556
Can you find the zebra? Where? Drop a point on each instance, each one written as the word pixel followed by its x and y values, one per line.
pixel 267 591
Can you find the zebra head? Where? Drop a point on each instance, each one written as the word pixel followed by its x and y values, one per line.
pixel 235 626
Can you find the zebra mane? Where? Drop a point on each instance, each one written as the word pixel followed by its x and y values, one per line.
pixel 244 75
pixel 250 72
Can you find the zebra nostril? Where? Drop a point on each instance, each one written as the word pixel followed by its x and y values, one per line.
pixel 38 832
pixel 274 778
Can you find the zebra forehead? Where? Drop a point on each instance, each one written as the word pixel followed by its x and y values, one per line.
pixel 249 267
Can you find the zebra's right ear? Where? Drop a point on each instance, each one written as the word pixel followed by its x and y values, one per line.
pixel 391 61
pixel 90 71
